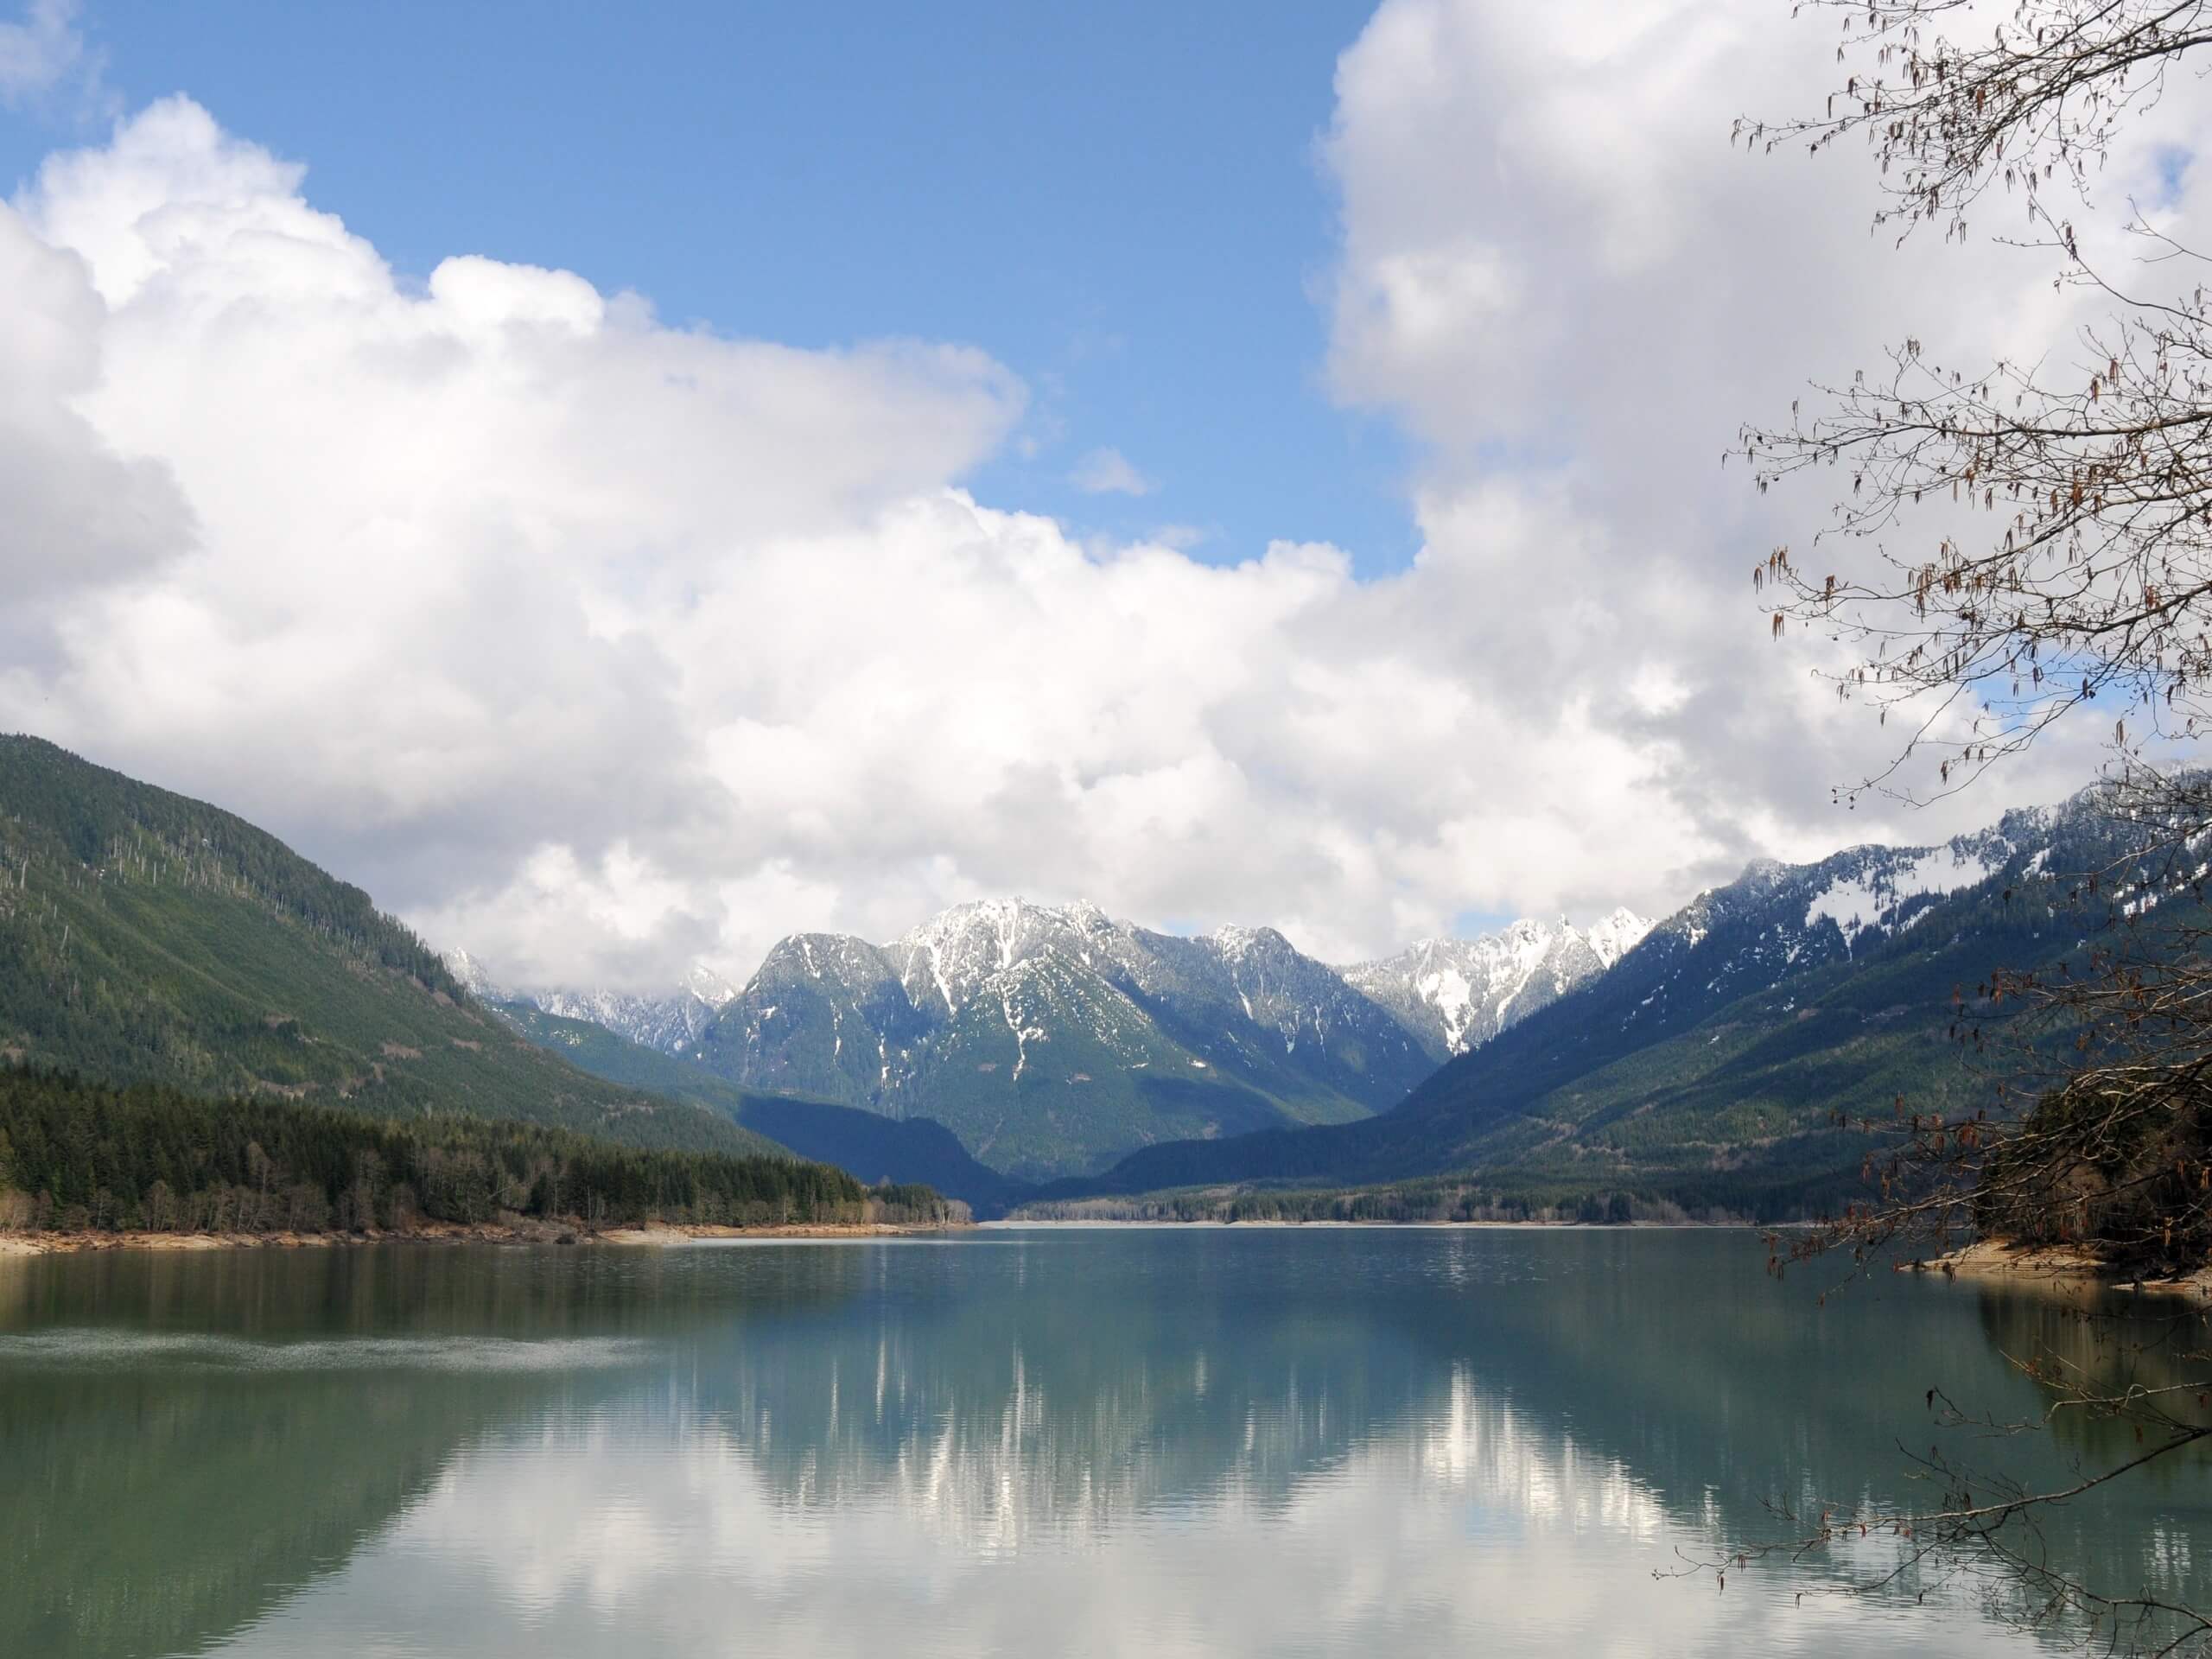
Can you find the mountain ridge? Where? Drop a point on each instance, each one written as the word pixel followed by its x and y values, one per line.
pixel 1716 1052
pixel 964 1016
pixel 1455 994
pixel 1053 1038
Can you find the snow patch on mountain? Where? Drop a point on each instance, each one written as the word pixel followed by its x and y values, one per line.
pixel 1877 889
pixel 981 1016
pixel 1454 994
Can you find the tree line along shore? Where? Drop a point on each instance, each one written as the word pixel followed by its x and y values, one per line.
pixel 82 1161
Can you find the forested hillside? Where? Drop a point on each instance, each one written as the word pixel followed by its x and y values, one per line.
pixel 1710 1065
pixel 147 937
pixel 75 1155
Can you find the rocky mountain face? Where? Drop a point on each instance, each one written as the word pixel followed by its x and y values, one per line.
pixel 1454 994
pixel 1053 1040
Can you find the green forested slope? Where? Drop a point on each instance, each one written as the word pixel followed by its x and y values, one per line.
pixel 145 935
pixel 78 1155
pixel 874 1147
pixel 1707 1067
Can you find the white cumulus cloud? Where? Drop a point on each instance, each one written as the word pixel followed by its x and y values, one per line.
pixel 599 645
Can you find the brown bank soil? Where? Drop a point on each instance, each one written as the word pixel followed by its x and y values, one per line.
pixel 515 1232
pixel 2064 1267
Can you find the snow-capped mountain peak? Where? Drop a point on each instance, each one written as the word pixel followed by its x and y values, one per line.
pixel 669 1020
pixel 708 986
pixel 966 1017
pixel 949 957
pixel 1053 1037
pixel 1453 994
pixel 475 978
pixel 1613 935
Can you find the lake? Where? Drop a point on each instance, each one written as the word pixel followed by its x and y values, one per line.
pixel 1169 1441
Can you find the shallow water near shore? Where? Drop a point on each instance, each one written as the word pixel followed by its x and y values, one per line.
pixel 1009 1442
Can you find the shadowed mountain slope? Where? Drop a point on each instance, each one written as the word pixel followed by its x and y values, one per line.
pixel 864 1144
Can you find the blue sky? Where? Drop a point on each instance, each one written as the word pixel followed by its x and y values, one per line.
pixel 664 646
pixel 1120 203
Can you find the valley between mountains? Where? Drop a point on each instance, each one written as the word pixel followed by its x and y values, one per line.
pixel 1698 1064
pixel 1057 1059
pixel 1052 1042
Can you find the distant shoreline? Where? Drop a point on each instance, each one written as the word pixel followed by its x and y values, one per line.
pixel 650 1234
pixel 662 1234
pixel 1259 1224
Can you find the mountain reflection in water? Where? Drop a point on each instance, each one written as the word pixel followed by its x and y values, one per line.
pixel 1102 1442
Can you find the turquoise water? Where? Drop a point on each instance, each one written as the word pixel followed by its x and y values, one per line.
pixel 1112 1442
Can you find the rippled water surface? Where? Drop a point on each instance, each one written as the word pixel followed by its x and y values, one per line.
pixel 1156 1442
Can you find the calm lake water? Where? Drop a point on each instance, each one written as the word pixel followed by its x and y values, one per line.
pixel 1157 1442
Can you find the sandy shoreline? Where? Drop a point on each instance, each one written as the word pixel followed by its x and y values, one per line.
pixel 2067 1268
pixel 660 1234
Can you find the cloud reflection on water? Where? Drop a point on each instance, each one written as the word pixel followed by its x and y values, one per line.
pixel 1328 1441
pixel 650 1528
